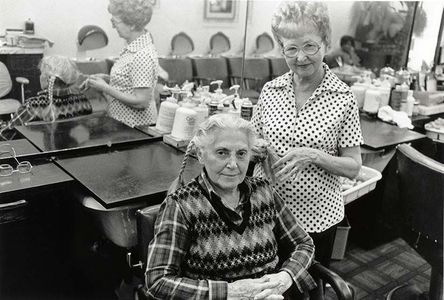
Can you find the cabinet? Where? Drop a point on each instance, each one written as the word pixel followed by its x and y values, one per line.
pixel 23 65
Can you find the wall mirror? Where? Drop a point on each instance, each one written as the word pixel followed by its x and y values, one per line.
pixel 382 30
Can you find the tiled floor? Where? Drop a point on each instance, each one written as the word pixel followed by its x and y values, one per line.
pixel 373 273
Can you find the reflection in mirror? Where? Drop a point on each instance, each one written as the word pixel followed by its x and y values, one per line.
pixel 381 29
pixel 425 35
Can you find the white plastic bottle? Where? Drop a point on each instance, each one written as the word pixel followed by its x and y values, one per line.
pixel 202 113
pixel 184 123
pixel 167 112
pixel 372 101
pixel 410 103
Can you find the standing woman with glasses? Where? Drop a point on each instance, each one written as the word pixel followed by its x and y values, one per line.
pixel 130 86
pixel 310 119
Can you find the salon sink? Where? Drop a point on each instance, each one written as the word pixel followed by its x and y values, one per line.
pixel 118 224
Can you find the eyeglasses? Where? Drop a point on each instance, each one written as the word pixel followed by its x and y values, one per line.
pixel 309 49
pixel 115 22
pixel 21 118
pixel 22 167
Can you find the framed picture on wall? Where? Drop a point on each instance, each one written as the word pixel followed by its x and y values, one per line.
pixel 220 9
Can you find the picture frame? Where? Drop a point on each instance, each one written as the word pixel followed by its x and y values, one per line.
pixel 220 9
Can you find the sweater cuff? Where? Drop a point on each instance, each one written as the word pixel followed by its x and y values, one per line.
pixel 217 289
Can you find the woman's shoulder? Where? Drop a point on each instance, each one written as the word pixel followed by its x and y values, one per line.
pixel 279 82
pixel 258 184
pixel 186 192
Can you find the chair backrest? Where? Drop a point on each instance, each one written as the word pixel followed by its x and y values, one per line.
pixel 207 69
pixel 181 44
pixel 257 72
pixel 264 43
pixel 91 37
pixel 179 69
pixel 146 218
pixel 5 80
pixel 421 183
pixel 219 43
pixel 278 66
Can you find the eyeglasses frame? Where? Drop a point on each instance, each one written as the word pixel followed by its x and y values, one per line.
pixel 17 169
pixel 301 49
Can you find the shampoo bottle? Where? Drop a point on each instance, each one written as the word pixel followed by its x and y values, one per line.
pixel 167 112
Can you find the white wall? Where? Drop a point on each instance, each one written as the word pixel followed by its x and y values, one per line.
pixel 60 20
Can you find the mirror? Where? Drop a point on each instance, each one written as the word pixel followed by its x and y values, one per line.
pixel 381 28
pixel 426 27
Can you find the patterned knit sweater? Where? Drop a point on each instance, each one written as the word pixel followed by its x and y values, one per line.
pixel 197 240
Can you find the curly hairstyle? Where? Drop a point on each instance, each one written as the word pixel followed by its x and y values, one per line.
pixel 63 70
pixel 135 13
pixel 290 14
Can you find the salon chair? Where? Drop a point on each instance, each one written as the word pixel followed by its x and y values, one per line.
pixel 10 106
pixel 278 66
pixel 256 74
pixel 207 69
pixel 179 70
pixel 421 189
pixel 219 44
pixel 264 44
pixel 146 218
pixel 181 45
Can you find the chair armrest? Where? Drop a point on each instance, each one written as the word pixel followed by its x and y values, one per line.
pixel 22 80
pixel 338 284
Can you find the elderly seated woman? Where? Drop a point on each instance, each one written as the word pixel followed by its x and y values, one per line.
pixel 218 237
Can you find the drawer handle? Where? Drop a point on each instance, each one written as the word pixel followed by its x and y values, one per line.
pixel 13 204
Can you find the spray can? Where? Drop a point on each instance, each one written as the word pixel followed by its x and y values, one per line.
pixel 213 106
pixel 246 109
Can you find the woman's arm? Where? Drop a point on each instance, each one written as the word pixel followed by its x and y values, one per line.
pixel 165 255
pixel 297 245
pixel 140 99
pixel 347 164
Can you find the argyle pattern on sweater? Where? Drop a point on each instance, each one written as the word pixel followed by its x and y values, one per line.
pixel 217 250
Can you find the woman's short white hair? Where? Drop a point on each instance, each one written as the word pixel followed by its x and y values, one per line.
pixel 135 13
pixel 290 14
pixel 205 135
pixel 60 67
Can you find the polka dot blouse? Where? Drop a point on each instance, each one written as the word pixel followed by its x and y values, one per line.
pixel 329 120
pixel 136 67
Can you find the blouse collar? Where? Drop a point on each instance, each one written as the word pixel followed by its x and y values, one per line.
pixel 139 43
pixel 330 82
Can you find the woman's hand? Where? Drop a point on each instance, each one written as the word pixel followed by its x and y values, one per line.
pixel 284 281
pixel 98 83
pixel 259 150
pixel 293 162
pixel 249 288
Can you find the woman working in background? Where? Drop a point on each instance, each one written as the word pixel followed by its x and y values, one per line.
pixel 131 84
pixel 345 55
pixel 310 118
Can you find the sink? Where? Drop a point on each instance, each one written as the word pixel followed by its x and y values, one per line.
pixel 118 224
